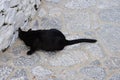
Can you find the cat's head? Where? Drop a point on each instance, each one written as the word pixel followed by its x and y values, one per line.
pixel 21 33
pixel 19 30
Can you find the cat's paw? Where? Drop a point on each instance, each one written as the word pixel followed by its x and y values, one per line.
pixel 29 53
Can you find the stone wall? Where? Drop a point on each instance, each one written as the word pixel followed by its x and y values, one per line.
pixel 14 14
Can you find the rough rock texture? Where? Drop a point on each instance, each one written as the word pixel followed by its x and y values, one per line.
pixel 14 14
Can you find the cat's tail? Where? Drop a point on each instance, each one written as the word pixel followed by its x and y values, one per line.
pixel 70 42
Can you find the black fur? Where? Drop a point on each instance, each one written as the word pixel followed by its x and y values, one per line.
pixel 48 40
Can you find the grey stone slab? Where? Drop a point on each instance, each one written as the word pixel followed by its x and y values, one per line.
pixel 95 63
pixel 26 60
pixel 115 77
pixel 11 16
pixel 34 24
pixel 19 75
pixel 110 15
pixel 112 63
pixel 49 23
pixel 67 75
pixel 14 3
pixel 1 19
pixel 5 57
pixel 69 58
pixel 18 49
pixel 5 4
pixel 42 12
pixel 76 21
pixel 54 1
pixel 6 36
pixel 55 12
pixel 94 50
pixel 104 4
pixel 78 4
pixel 19 19
pixel 110 37
pixel 41 73
pixel 5 71
pixel 94 72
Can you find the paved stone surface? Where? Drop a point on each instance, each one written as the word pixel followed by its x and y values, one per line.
pixel 95 72
pixel 26 60
pixel 20 75
pixel 115 77
pixel 98 19
pixel 95 51
pixel 73 21
pixel 5 71
pixel 48 23
pixel 108 4
pixel 111 15
pixel 41 73
pixel 109 37
pixel 77 4
pixel 95 63
pixel 112 63
pixel 69 58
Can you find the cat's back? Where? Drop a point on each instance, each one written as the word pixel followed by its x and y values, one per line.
pixel 52 40
pixel 50 36
pixel 55 32
pixel 33 33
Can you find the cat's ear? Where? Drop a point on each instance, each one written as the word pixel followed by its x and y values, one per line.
pixel 29 30
pixel 19 29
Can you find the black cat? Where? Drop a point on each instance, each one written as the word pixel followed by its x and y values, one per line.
pixel 48 40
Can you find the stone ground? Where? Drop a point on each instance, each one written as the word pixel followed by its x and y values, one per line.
pixel 99 19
